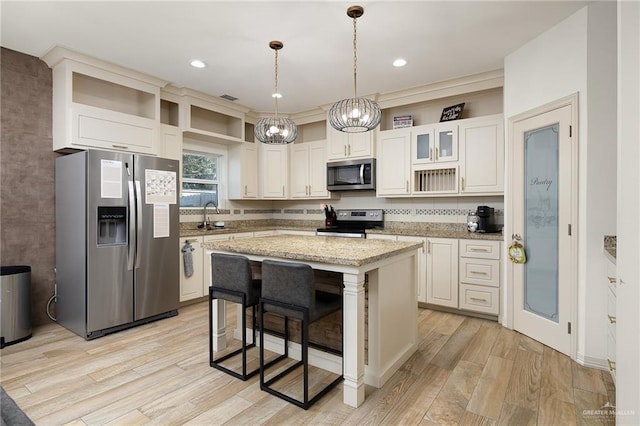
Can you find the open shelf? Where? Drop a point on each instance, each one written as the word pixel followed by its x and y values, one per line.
pixel 111 96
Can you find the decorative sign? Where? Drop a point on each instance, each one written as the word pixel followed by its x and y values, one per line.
pixel 400 121
pixel 452 113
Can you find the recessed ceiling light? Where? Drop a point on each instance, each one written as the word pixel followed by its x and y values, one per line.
pixel 196 63
pixel 276 95
pixel 399 62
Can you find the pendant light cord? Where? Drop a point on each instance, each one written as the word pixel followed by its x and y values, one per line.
pixel 355 60
pixel 276 94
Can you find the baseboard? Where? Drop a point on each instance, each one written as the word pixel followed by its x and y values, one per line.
pixel 587 361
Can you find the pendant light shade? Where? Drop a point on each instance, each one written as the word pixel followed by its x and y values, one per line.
pixel 275 130
pixel 355 115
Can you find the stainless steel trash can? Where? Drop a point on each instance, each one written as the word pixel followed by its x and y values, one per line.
pixel 15 305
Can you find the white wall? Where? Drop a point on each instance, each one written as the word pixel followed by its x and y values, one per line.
pixel 575 56
pixel 628 266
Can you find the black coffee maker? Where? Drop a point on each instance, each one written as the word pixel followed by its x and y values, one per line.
pixel 487 220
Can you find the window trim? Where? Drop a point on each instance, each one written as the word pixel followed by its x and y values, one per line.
pixel 201 148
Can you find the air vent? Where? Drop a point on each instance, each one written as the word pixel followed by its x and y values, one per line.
pixel 229 97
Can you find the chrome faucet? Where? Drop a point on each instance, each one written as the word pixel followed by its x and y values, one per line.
pixel 204 219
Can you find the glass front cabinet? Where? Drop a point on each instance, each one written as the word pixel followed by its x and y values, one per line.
pixel 434 143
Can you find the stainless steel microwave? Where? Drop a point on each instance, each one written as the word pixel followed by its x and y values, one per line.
pixel 351 174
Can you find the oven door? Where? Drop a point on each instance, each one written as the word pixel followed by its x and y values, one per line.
pixel 352 174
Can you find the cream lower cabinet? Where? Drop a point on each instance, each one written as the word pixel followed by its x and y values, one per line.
pixel 393 165
pixel 197 285
pixel 442 272
pixel 191 287
pixel 479 273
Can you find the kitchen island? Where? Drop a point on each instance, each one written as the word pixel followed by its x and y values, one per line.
pixel 390 271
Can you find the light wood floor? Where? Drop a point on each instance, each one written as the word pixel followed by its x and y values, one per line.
pixel 466 371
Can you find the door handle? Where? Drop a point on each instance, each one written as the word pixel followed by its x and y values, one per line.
pixel 139 227
pixel 436 153
pixel 407 185
pixel 349 150
pixel 361 174
pixel 463 183
pixel 431 154
pixel 132 225
pixel 612 319
pixel 345 150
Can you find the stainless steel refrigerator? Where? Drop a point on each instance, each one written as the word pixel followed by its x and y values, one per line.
pixel 117 225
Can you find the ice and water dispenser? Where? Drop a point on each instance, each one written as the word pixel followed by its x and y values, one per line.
pixel 112 225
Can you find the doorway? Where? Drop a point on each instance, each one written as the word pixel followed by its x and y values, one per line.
pixel 542 203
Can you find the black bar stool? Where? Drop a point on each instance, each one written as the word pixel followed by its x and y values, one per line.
pixel 288 289
pixel 232 280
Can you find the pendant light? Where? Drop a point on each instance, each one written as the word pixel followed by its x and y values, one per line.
pixel 355 115
pixel 275 130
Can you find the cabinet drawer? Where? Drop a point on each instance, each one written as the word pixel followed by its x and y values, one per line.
pixel 479 299
pixel 480 249
pixel 480 271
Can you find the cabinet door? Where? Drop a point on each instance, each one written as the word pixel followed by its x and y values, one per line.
pixel 191 287
pixel 274 171
pixel 394 171
pixel 337 143
pixel 482 155
pixel 318 169
pixel 348 145
pixel 442 272
pixel 243 171
pixel 446 142
pixel 422 144
pixel 170 142
pixel 299 179
pixel 421 276
pixel 360 145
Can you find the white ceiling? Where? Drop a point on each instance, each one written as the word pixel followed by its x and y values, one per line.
pixel 439 39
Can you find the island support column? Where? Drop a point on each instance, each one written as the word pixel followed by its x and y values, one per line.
pixel 353 338
pixel 218 325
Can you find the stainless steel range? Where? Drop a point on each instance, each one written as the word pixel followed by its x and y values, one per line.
pixel 354 223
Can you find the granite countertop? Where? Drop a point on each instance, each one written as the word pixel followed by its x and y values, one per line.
pixel 610 247
pixel 416 231
pixel 331 250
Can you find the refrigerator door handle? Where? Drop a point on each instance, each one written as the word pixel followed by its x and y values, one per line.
pixel 139 227
pixel 132 225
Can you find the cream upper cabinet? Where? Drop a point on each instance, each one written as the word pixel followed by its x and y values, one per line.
pixel 482 155
pixel 393 166
pixel 273 171
pixel 170 142
pixel 433 143
pixel 308 170
pixel 342 145
pixel 442 272
pixel 243 171
pixel 101 105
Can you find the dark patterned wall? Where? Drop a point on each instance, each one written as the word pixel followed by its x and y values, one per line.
pixel 27 195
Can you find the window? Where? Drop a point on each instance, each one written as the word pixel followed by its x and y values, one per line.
pixel 200 179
